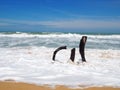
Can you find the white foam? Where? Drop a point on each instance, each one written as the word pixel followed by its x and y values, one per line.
pixel 34 65
pixel 57 35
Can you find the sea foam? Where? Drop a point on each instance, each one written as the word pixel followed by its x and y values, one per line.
pixel 34 65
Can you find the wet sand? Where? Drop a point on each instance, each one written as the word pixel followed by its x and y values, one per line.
pixel 10 85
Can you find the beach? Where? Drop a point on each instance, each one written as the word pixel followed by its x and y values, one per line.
pixel 60 45
pixel 27 58
pixel 24 86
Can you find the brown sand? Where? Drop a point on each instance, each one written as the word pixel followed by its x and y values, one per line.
pixel 8 85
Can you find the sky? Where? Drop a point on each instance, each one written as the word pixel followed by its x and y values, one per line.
pixel 84 16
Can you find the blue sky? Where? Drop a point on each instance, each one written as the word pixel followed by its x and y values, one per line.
pixel 99 16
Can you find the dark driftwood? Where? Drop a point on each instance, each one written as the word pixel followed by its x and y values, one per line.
pixel 58 49
pixel 82 47
pixel 72 56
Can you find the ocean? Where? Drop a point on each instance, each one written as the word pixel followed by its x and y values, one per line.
pixel 27 57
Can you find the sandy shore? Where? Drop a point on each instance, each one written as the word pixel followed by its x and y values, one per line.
pixel 24 86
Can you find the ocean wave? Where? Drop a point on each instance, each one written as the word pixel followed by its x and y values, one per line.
pixel 19 39
pixel 56 34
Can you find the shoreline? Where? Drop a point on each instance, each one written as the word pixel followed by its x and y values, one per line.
pixel 12 85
